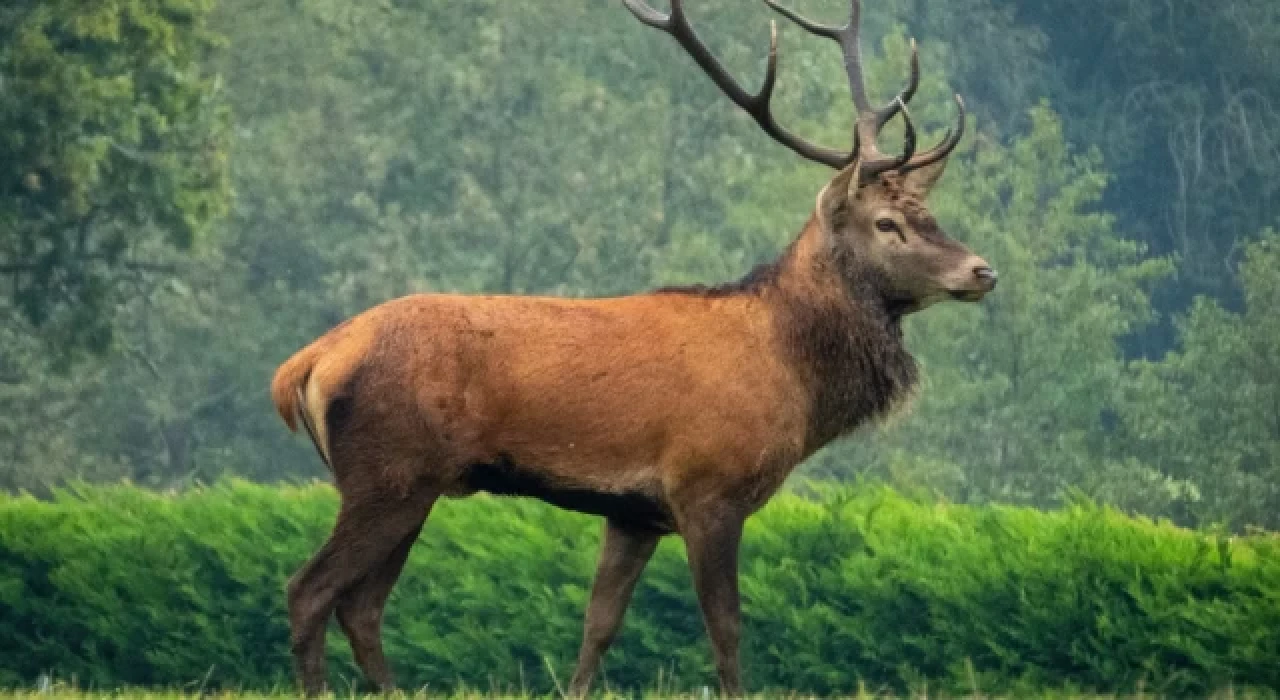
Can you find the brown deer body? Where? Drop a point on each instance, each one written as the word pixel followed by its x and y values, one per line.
pixel 678 411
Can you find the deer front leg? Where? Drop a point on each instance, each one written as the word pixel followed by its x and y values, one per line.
pixel 622 559
pixel 711 538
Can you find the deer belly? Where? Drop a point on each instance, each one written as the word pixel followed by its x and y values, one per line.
pixel 636 508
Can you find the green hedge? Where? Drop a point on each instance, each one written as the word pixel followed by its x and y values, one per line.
pixel 117 585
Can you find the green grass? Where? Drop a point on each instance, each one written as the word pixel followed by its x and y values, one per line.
pixel 68 692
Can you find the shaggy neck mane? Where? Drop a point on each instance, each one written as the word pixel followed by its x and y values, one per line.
pixel 841 334
pixel 761 277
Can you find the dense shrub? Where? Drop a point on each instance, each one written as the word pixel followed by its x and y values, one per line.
pixel 118 585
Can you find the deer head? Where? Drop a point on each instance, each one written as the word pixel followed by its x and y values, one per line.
pixel 875 231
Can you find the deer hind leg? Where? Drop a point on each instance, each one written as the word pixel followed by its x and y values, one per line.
pixel 360 612
pixel 373 527
pixel 622 558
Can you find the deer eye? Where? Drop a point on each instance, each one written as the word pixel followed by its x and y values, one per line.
pixel 890 226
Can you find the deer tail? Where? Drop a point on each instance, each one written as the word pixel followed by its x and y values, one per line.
pixel 297 401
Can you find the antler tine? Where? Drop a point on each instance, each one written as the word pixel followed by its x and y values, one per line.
pixel 677 25
pixel 650 16
pixel 884 114
pixel 847 37
pixel 873 161
pixel 909 134
pixel 851 46
pixel 807 24
pixel 942 150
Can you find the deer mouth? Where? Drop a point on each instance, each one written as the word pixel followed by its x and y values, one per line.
pixel 968 295
pixel 898 308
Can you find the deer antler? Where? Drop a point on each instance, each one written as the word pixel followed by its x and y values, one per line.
pixel 869 120
pixel 677 25
pixel 851 47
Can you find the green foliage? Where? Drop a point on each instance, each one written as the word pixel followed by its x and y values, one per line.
pixel 59 690
pixel 1214 405
pixel 1182 97
pixel 111 138
pixel 118 585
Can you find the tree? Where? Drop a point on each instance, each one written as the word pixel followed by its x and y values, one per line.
pixel 1209 412
pixel 111 135
pixel 1182 96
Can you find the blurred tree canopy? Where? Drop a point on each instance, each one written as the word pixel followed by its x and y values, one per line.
pixel 112 138
pixel 1117 173
pixel 1215 400
pixel 1182 96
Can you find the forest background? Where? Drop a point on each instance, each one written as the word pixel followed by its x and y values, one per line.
pixel 190 190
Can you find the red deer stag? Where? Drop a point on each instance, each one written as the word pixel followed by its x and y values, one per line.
pixel 676 411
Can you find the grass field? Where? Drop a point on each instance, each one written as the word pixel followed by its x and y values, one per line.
pixel 60 691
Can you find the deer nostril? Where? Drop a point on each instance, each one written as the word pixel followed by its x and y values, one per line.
pixel 986 274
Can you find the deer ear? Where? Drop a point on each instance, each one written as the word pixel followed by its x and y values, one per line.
pixel 833 200
pixel 922 180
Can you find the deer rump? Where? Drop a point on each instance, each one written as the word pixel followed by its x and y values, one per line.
pixel 601 406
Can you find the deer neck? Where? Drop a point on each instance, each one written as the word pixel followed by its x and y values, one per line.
pixel 841 336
